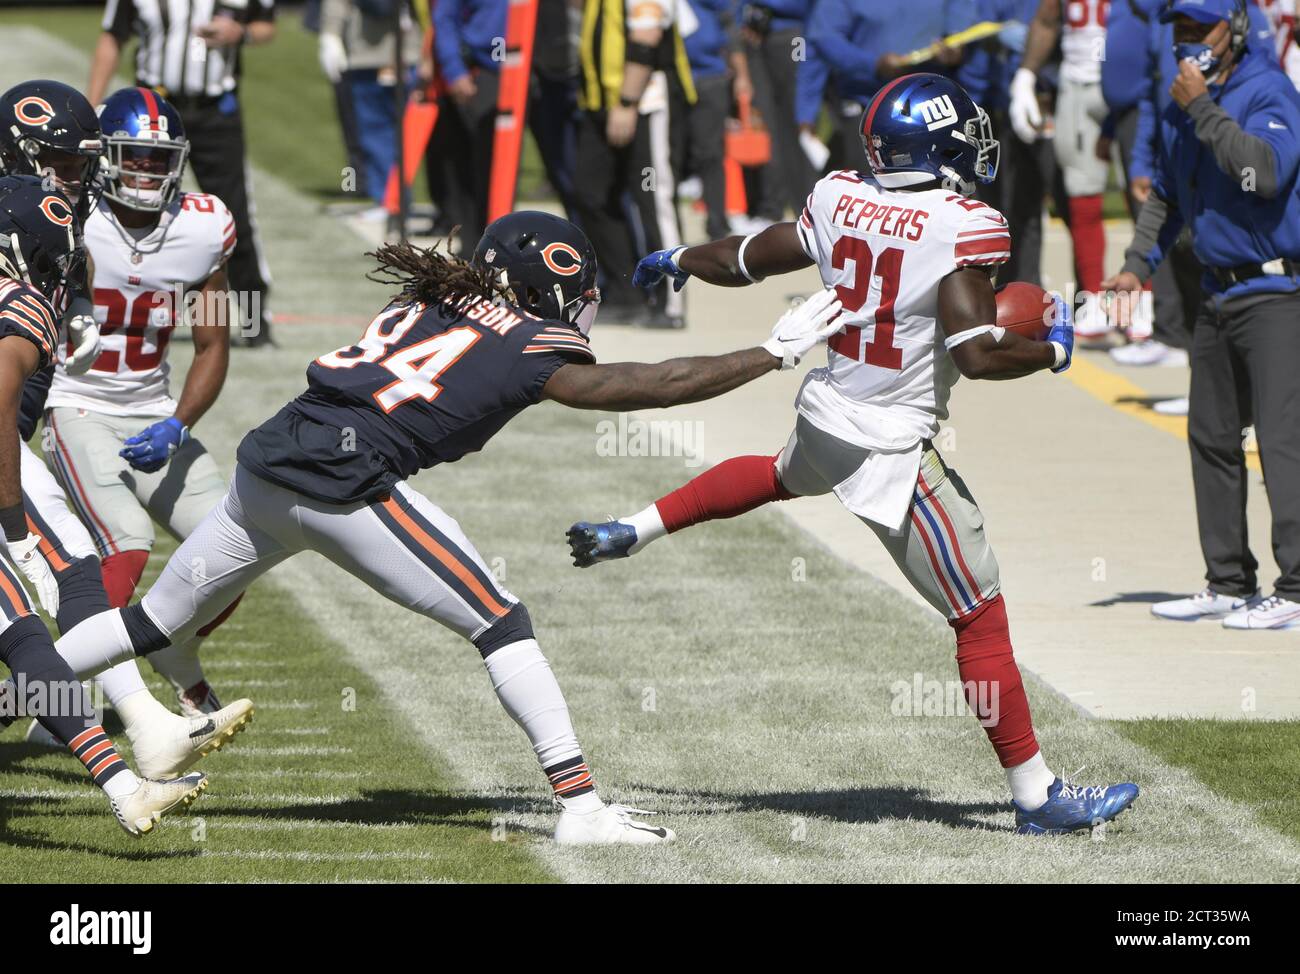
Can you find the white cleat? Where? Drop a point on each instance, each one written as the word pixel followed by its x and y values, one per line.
pixel 1273 612
pixel 141 810
pixel 609 825
pixel 1150 353
pixel 1206 604
pixel 167 746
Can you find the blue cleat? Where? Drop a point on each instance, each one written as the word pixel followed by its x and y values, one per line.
pixel 590 543
pixel 1073 807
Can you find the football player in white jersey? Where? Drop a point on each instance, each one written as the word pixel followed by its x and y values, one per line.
pixel 118 442
pixel 911 257
pixel 1080 25
pixel 38 259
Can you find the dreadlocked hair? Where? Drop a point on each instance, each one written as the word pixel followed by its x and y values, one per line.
pixel 424 275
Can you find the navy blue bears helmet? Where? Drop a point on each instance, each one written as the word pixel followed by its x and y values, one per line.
pixel 546 263
pixel 50 127
pixel 37 242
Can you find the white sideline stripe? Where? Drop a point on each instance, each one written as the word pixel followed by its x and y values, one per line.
pixel 297 751
pixel 48 793
pixel 254 800
pixel 274 774
pixel 256 684
pixel 299 731
pixel 305 825
pixel 275 855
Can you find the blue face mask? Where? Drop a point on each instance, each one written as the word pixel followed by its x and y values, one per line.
pixel 1201 55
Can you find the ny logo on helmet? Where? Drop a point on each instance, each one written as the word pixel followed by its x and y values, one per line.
pixel 938 112
pixel 33 110
pixel 565 269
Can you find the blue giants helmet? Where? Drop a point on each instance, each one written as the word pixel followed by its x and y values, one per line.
pixel 923 128
pixel 146 149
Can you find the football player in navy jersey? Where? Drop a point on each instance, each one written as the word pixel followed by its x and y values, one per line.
pixel 462 348
pixel 37 259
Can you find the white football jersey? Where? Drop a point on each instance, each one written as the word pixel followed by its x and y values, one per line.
pixel 1282 18
pixel 885 251
pixel 140 287
pixel 1083 39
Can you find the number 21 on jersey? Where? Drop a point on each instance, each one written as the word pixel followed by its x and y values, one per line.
pixel 880 350
pixel 416 369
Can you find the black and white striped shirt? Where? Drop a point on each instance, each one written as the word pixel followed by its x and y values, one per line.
pixel 170 56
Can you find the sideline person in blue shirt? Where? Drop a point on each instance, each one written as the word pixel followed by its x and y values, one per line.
pixel 1228 169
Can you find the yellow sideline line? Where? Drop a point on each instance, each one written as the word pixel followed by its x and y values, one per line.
pixel 1120 394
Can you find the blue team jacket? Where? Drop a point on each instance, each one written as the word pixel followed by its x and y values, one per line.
pixel 1159 69
pixel 1231 225
pixel 851 35
pixel 467 29
pixel 1124 71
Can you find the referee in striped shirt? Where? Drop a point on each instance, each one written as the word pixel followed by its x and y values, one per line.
pixel 188 51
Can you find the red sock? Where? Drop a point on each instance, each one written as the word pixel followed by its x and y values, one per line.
pixel 226 613
pixel 1089 239
pixel 122 573
pixel 731 488
pixel 992 682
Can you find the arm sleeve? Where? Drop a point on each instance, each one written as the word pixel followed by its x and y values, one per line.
pixel 550 347
pixel 1143 161
pixel 119 18
pixel 446 39
pixel 810 79
pixel 30 316
pixel 829 30
pixel 1266 147
pixel 983 239
pixel 806 229
pixel 1158 226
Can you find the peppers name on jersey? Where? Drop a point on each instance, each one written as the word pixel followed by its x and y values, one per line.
pixel 885 252
pixel 424 385
pixel 140 289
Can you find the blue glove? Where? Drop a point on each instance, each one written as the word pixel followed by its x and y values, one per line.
pixel 653 268
pixel 1062 331
pixel 152 447
pixel 1013 36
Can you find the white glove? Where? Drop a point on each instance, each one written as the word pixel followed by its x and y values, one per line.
pixel 84 334
pixel 333 57
pixel 1026 119
pixel 26 555
pixel 804 326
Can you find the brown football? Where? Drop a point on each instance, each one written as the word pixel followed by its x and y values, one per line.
pixel 1025 309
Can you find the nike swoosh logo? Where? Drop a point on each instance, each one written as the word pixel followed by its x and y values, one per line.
pixel 207 728
pixel 1275 125
pixel 662 833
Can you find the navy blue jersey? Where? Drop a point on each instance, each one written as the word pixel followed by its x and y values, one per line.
pixel 24 311
pixel 424 385
pixel 32 407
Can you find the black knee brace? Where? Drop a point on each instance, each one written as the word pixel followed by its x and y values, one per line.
pixel 145 635
pixel 81 592
pixel 510 628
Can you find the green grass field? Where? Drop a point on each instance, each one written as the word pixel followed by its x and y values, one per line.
pixel 736 679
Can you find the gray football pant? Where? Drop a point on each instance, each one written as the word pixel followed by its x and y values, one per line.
pixel 941 550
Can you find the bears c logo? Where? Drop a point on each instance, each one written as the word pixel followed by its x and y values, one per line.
pixel 34 111
pixel 57 211
pixel 571 263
